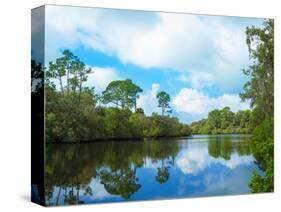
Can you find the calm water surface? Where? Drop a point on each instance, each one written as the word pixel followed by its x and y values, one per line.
pixel 154 169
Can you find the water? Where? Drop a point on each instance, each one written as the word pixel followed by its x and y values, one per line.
pixel 154 169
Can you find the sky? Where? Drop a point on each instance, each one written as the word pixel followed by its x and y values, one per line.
pixel 197 59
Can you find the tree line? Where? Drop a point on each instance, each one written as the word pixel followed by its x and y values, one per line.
pixel 260 91
pixel 74 112
pixel 225 121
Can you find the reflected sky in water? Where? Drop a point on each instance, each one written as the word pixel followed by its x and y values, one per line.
pixel 124 171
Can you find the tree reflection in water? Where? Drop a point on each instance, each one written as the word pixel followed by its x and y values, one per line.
pixel 71 168
pixel 122 182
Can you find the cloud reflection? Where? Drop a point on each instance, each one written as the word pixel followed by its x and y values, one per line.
pixel 195 159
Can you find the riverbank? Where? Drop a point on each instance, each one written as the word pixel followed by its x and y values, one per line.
pixel 133 139
pixel 222 134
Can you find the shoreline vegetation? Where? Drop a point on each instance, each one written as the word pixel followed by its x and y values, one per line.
pixel 225 121
pixel 260 91
pixel 161 138
pixel 75 112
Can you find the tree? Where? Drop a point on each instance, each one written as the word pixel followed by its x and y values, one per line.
pixel 214 119
pixel 133 93
pixel 82 71
pixel 57 71
pixel 72 68
pixel 225 121
pixel 163 101
pixel 245 119
pixel 139 110
pixel 260 91
pixel 227 117
pixel 73 112
pixel 237 118
pixel 117 123
pixel 68 57
pixel 263 150
pixel 37 77
pixel 122 182
pixel 163 174
pixel 123 93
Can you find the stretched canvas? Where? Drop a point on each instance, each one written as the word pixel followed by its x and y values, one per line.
pixel 134 105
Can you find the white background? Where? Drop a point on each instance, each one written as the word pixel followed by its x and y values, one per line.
pixel 15 104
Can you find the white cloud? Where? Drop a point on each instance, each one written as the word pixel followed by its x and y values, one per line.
pixel 197 80
pixel 195 159
pixel 99 192
pixel 191 162
pixel 192 101
pixel 101 77
pixel 151 39
pixel 148 101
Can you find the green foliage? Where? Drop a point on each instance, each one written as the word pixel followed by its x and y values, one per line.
pixel 223 146
pixel 138 124
pixel 263 150
pixel 162 175
pixel 72 113
pixel 122 182
pixel 163 101
pixel 123 93
pixel 161 126
pixel 225 121
pixel 260 91
pixel 117 123
pixel 68 122
pixel 72 68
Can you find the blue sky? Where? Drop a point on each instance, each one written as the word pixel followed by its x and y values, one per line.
pixel 197 59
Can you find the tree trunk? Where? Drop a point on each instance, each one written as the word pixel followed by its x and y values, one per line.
pixel 80 89
pixel 65 195
pixel 67 81
pixel 75 84
pixel 61 86
pixel 58 197
pixel 78 188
